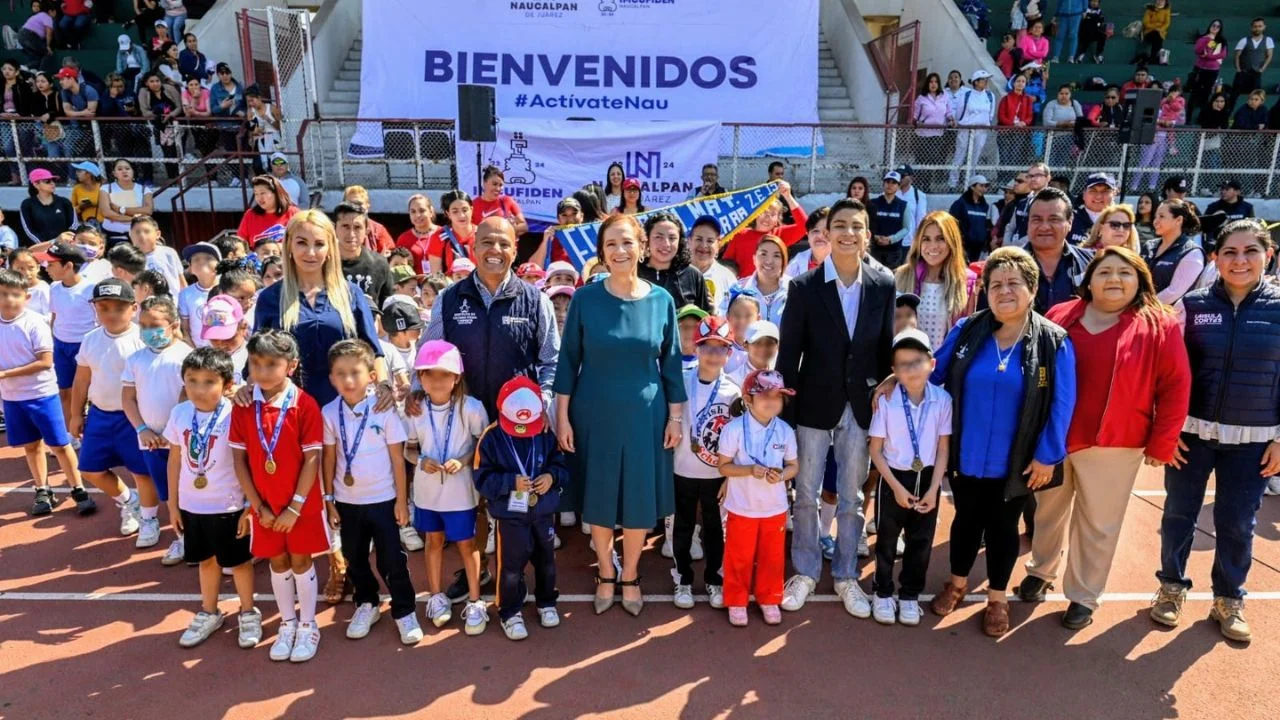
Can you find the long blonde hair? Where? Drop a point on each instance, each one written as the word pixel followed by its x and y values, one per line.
pixel 335 284
pixel 1095 233
pixel 955 273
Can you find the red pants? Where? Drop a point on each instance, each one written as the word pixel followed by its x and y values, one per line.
pixel 758 542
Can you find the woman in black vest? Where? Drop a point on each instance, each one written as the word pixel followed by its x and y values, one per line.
pixel 1232 429
pixel 1175 257
pixel 668 263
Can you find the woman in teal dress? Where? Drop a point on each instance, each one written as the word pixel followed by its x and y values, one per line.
pixel 619 395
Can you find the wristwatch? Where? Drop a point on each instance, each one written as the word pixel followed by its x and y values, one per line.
pixel 327 498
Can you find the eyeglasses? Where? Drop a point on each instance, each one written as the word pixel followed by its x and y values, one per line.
pixel 1119 225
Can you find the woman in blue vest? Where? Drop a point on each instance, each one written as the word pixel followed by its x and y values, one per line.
pixel 1232 429
pixel 619 395
pixel 973 214
pixel 1175 256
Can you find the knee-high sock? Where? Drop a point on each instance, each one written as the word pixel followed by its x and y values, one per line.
pixel 286 597
pixel 307 592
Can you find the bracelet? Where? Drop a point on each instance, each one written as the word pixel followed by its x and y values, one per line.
pixel 292 510
pixel 327 498
pixel 300 499
pixel 141 429
pixel 679 419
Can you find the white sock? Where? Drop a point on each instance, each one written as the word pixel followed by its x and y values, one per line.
pixel 286 597
pixel 308 590
pixel 150 513
pixel 124 497
pixel 826 516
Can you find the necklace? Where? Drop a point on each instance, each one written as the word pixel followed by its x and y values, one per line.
pixel 1003 357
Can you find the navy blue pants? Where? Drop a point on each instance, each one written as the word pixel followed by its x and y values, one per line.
pixel 1236 500
pixel 520 542
pixel 376 522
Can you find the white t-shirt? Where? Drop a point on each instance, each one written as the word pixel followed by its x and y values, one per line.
pixel 395 359
pixel 240 363
pixel 721 280
pixel 704 464
pixel 772 446
pixel 157 379
pixel 39 302
pixel 374 481
pixel 133 197
pixel 105 355
pixel 191 302
pixel 165 261
pixel 439 491
pixel 932 420
pixel 741 368
pixel 1270 44
pixel 21 339
pixel 96 270
pixel 222 494
pixel 72 311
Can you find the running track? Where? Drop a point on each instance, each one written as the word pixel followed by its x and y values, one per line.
pixel 89 626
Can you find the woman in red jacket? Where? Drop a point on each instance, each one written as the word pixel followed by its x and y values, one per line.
pixel 1131 355
pixel 1016 110
pixel 741 248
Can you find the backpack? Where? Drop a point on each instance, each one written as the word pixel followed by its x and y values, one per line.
pixel 964 107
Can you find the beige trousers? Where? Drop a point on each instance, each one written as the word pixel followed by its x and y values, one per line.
pixel 1087 511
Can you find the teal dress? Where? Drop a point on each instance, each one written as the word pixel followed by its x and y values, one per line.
pixel 620 365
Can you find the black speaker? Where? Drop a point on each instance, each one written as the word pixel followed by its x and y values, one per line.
pixel 1139 126
pixel 476 122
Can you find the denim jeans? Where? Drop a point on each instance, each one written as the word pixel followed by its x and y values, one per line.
pixel 851 463
pixel 72 29
pixel 177 25
pixel 1068 36
pixel 1238 496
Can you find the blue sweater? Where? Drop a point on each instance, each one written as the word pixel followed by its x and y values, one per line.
pixel 497 467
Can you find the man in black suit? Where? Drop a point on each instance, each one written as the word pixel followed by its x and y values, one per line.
pixel 835 347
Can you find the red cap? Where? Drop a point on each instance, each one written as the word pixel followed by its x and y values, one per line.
pixel 520 409
pixel 630 183
pixel 765 381
pixel 713 329
pixel 531 270
pixel 68 72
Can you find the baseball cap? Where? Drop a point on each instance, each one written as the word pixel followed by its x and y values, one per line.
pixel 62 252
pixel 400 316
pixel 124 42
pixel 520 409
pixel 191 251
pixel 562 266
pixel 461 265
pixel 439 355
pixel 978 180
pixel 160 23
pixel 112 289
pixel 713 329
pixel 402 273
pixel 221 318
pixel 278 158
pixel 558 290
pixel 905 170
pixel 566 204
pixel 892 175
pixel 1231 183
pixel 1011 185
pixel 691 311
pixel 1177 183
pixel 40 175
pixel 630 183
pixel 90 167
pixel 913 338
pixel 68 72
pixel 765 381
pixel 760 330
pixel 910 300
pixel 979 75
pixel 1100 178
pixel 532 270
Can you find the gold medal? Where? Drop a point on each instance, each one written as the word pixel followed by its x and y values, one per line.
pixel 696 448
pixel 201 482
pixel 916 465
pixel 270 466
pixel 533 498
pixel 349 479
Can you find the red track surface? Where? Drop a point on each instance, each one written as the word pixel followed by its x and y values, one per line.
pixel 120 659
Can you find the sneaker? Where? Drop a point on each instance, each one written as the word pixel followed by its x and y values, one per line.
pixel 458 591
pixel 176 553
pixel 491 544
pixel 439 611
pixel 250 630
pixel 282 648
pixel 1166 609
pixel 695 548
pixel 513 627
pixel 410 631
pixel 130 515
pixel 1229 614
pixel 856 602
pixel 772 614
pixel 1097 59
pixel 475 618
pixel 909 612
pixel 586 529
pixel 1273 486
pixel 884 610
pixel 556 542
pixel 548 617
pixel 796 592
pixel 202 626
pixel 363 619
pixel 568 519
pixel 869 527
pixel 44 503
pixel 84 504
pixel 410 540
pixel 306 644
pixel 684 596
pixel 828 545
pixel 738 616
pixel 716 595
pixel 148 533
pixel 864 549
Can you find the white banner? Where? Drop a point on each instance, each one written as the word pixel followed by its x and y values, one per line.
pixel 740 61
pixel 545 161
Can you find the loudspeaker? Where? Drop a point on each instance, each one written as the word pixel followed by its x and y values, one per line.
pixel 476 122
pixel 1139 126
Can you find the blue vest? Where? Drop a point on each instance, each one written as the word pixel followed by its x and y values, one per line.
pixel 887 217
pixel 1162 267
pixel 973 224
pixel 497 343
pixel 1235 356
pixel 1081 226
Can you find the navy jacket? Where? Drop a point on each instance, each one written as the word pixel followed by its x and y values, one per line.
pixel 1235 355
pixel 496 467
pixel 974 219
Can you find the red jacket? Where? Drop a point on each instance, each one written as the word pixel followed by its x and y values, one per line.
pixel 1150 384
pixel 1014 105
pixel 379 238
pixel 741 247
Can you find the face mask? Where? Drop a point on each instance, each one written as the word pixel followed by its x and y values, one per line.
pixel 155 338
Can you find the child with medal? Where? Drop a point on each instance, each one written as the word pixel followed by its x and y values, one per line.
pixel 365 448
pixel 276 441
pixel 910 436
pixel 205 499
pixel 520 470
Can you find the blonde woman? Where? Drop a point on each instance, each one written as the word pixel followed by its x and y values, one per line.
pixel 936 271
pixel 1117 226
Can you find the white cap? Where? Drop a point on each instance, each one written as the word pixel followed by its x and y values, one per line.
pixel 979 75
pixel 913 338
pixel 562 266
pixel 978 180
pixel 124 41
pixel 758 330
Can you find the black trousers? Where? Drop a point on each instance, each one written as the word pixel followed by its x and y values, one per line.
pixel 522 541
pixel 1199 86
pixel 888 255
pixel 376 522
pixel 1155 43
pixel 918 529
pixel 982 510
pixel 690 492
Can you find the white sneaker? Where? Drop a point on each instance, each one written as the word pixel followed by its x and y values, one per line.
pixel 864 550
pixel 410 630
pixel 148 533
pixel 796 592
pixel 884 610
pixel 202 626
pixel 909 612
pixel 548 617
pixel 475 618
pixel 363 619
pixel 491 544
pixel 410 540
pixel 175 554
pixel 668 544
pixel 1273 486
pixel 695 548
pixel 716 594
pixel 555 542
pixel 439 610
pixel 684 596
pixel 282 648
pixel 250 629
pixel 306 644
pixel 586 529
pixel 513 627
pixel 568 519
pixel 856 602
pixel 130 515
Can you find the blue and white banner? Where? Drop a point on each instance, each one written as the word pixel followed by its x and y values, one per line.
pixel 545 161
pixel 733 210
pixel 741 61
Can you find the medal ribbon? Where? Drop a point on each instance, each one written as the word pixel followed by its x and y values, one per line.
pixel 911 424
pixel 534 462
pixel 275 434
pixel 701 416
pixel 349 456
pixel 200 441
pixel 746 440
pixel 442 448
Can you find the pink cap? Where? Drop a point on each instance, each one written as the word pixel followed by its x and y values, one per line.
pixel 461 265
pixel 221 318
pixel 40 175
pixel 557 290
pixel 439 355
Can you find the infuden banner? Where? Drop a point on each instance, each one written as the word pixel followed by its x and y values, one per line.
pixel 733 210
pixel 545 161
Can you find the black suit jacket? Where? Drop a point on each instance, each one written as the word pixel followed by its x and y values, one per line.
pixel 820 361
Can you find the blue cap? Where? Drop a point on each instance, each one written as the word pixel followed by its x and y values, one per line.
pixel 1100 178
pixel 90 167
